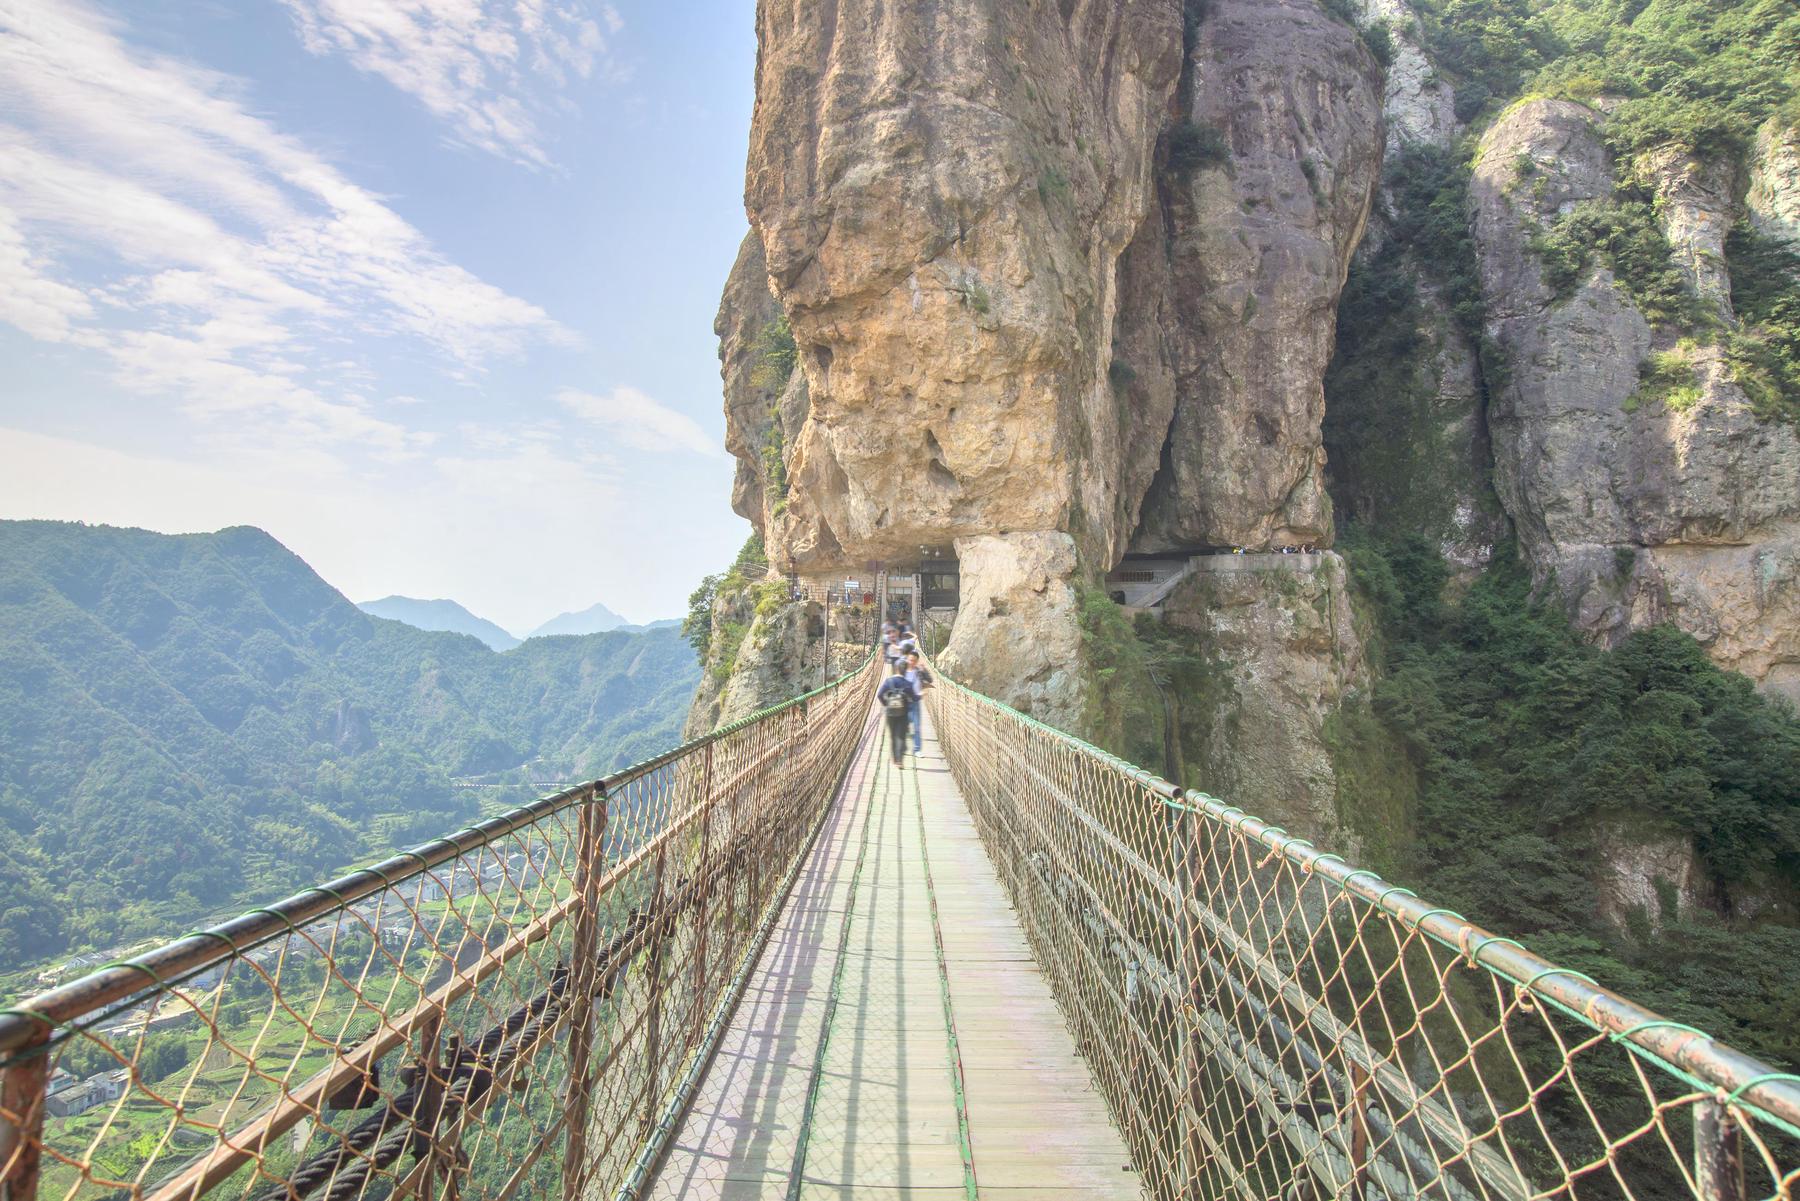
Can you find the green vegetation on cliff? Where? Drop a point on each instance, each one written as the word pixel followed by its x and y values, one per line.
pixel 196 722
pixel 1674 77
pixel 1700 74
pixel 1537 756
pixel 1765 351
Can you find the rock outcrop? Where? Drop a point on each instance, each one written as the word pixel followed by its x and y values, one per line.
pixel 1639 512
pixel 1417 105
pixel 1061 281
pixel 1259 241
pixel 1281 627
pixel 1694 202
pixel 942 192
pixel 745 311
pixel 1774 197
pixel 760 656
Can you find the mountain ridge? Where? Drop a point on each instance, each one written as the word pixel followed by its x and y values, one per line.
pixel 191 722
pixel 440 614
pixel 595 619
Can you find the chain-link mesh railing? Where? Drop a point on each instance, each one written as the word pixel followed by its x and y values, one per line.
pixel 514 1010
pixel 1268 1022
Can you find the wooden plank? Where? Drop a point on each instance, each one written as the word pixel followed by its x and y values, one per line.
pixel 885 1109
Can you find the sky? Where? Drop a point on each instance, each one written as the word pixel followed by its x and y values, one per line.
pixel 425 288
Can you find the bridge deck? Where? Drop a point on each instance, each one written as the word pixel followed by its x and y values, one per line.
pixel 941 1025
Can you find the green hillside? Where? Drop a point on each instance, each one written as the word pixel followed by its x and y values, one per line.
pixel 193 723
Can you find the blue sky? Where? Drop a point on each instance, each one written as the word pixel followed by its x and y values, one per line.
pixel 423 287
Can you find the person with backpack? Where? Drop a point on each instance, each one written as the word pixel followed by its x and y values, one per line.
pixel 896 696
pixel 919 676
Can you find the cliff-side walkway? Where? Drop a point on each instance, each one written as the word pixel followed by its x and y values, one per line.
pixel 897 1037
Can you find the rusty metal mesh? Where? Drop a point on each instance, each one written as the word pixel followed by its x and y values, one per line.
pixel 513 1010
pixel 1268 1022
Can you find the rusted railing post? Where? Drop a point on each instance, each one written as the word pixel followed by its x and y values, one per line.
pixel 661 930
pixel 1193 1097
pixel 1359 1130
pixel 22 1120
pixel 432 1078
pixel 589 867
pixel 1718 1153
pixel 706 884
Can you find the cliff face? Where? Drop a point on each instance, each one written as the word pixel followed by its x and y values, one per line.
pixel 1064 282
pixel 1061 282
pixel 1257 245
pixel 1640 510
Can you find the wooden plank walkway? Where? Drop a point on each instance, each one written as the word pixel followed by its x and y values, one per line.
pixel 897 1038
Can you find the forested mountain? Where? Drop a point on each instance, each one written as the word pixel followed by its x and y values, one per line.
pixel 194 722
pixel 444 615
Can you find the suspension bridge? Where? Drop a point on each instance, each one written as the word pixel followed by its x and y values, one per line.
pixel 770 963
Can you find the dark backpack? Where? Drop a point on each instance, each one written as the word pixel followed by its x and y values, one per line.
pixel 894 699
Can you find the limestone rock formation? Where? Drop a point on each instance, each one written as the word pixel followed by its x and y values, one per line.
pixel 941 223
pixel 1774 196
pixel 1694 200
pixel 1040 312
pixel 1640 512
pixel 1283 629
pixel 1651 875
pixel 1259 243
pixel 1022 635
pixel 1417 105
pixel 745 310
pixel 759 657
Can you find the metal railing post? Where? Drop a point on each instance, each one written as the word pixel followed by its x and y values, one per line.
pixel 661 930
pixel 701 923
pixel 22 1134
pixel 589 866
pixel 1718 1153
pixel 1359 1130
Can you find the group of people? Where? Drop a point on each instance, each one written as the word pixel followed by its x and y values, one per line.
pixel 903 689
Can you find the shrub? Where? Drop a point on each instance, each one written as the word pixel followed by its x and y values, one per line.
pixel 1765 353
pixel 1666 378
pixel 776 355
pixel 1195 145
pixel 1380 41
pixel 1625 236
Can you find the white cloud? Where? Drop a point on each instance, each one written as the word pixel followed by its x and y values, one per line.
pixel 29 299
pixel 638 422
pixel 471 63
pixel 216 253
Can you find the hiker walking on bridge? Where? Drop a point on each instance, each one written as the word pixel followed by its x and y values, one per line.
pixel 897 697
pixel 919 676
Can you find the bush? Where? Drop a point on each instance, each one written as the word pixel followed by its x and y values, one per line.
pixel 776 354
pixel 1526 738
pixel 1196 145
pixel 1625 236
pixel 1380 41
pixel 1666 378
pixel 1765 353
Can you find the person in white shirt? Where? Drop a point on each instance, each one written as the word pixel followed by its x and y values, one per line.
pixel 919 676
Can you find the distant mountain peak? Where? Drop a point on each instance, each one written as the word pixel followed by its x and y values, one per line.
pixel 595 619
pixel 439 614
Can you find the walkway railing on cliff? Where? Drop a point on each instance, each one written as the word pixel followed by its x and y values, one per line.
pixel 522 1008
pixel 1267 1021
pixel 517 1009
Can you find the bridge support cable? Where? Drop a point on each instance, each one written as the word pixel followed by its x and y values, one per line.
pixel 1266 1020
pixel 502 1012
